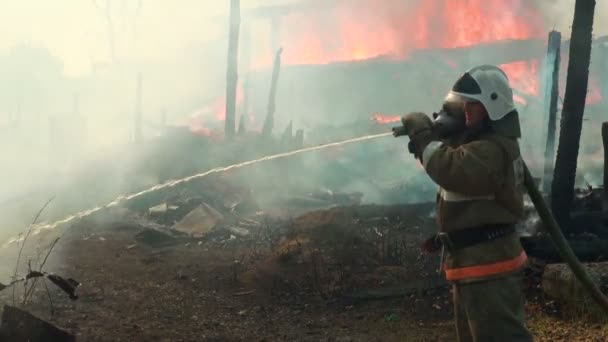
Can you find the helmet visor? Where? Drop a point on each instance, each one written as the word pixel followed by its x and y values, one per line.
pixel 461 99
pixel 467 85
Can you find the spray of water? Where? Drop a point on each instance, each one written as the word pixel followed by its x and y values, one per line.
pixel 121 200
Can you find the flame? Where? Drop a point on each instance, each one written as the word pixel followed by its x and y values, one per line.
pixel 363 29
pixel 594 94
pixel 199 121
pixel 520 100
pixel 594 89
pixel 219 107
pixel 524 76
pixel 384 118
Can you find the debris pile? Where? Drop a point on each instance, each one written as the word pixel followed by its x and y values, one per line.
pixel 560 284
pixel 345 250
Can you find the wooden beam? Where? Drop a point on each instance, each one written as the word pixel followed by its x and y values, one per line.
pixel 232 68
pixel 605 143
pixel 551 96
pixel 269 120
pixel 562 188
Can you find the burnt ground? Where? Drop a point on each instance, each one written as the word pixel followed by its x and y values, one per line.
pixel 305 278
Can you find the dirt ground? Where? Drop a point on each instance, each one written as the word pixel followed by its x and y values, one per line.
pixel 287 281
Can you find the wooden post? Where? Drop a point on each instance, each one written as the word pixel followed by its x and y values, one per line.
pixel 552 93
pixel 269 120
pixel 232 68
pixel 137 133
pixel 287 136
pixel 562 188
pixel 605 143
pixel 242 125
pixel 299 138
pixel 245 104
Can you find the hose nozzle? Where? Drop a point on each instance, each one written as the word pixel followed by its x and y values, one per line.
pixel 399 131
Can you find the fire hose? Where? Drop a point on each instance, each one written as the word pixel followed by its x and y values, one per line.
pixel 551 227
pixel 565 251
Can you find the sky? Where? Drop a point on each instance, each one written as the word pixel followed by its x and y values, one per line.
pixel 76 30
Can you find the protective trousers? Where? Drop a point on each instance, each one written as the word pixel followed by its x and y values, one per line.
pixel 490 311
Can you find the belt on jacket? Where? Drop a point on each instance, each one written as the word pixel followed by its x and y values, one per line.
pixel 474 236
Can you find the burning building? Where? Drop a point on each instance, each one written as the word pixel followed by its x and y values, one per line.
pixel 346 61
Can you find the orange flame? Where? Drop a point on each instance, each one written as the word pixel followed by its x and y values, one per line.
pixel 384 119
pixel 524 76
pixel 520 100
pixel 215 112
pixel 362 29
pixel 594 95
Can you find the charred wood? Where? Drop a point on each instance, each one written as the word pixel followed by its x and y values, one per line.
pixel 232 69
pixel 605 199
pixel 553 57
pixel 242 125
pixel 587 250
pixel 269 121
pixel 562 188
pixel 500 52
pixel 287 136
pixel 299 140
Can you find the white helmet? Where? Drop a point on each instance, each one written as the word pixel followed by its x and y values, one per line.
pixel 487 84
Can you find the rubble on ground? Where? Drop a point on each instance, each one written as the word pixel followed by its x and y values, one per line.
pixel 559 283
pixel 348 249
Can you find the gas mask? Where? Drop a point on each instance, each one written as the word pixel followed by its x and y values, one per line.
pixel 450 120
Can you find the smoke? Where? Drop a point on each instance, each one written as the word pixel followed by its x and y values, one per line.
pixel 558 15
pixel 67 111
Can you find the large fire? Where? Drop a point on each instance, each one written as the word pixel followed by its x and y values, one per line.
pixel 362 29
pixel 524 76
pixel 351 30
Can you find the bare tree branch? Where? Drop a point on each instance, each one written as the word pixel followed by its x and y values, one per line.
pixel 27 234
pixel 30 291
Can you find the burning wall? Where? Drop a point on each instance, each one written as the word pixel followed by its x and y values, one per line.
pixel 362 29
pixel 355 58
pixel 345 60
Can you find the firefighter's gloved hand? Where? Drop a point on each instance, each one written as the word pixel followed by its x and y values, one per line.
pixel 415 123
pixel 419 128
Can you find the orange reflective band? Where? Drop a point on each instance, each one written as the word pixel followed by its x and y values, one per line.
pixel 487 269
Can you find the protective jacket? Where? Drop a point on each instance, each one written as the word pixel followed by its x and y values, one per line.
pixel 480 182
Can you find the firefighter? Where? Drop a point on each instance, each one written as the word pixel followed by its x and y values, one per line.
pixel 480 175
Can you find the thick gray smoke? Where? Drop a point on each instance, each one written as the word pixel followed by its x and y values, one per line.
pixel 67 116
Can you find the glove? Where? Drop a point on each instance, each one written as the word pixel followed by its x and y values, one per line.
pixel 415 123
pixel 419 128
